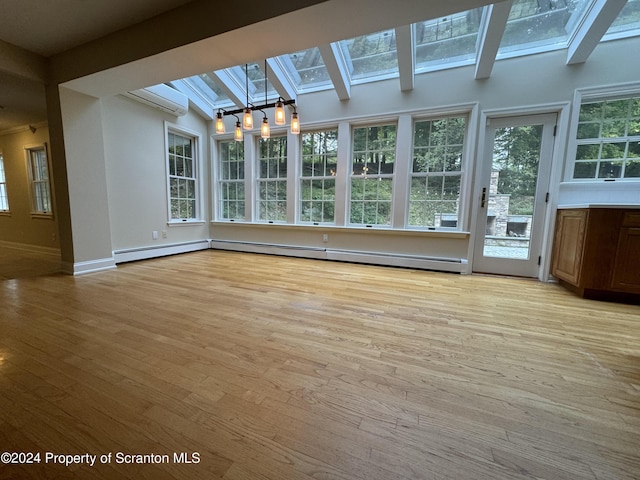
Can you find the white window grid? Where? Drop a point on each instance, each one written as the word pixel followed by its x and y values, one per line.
pixel 4 197
pixel 272 179
pixel 39 177
pixel 232 194
pixel 608 139
pixel 436 174
pixel 372 173
pixel 319 159
pixel 182 177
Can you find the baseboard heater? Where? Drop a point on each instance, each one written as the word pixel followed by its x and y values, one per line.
pixel 143 253
pixel 443 264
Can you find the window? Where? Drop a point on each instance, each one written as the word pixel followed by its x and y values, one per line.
pixel 4 198
pixel 436 175
pixel 442 41
pixel 539 26
pixel 272 179
pixel 39 176
pixel 232 180
pixel 374 154
pixel 371 56
pixel 608 139
pixel 182 177
pixel 317 183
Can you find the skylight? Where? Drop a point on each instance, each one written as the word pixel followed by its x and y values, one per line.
pixel 446 40
pixel 627 23
pixel 535 26
pixel 306 70
pixel 256 82
pixel 371 56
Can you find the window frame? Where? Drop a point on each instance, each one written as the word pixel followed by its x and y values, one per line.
pixel 35 179
pixel 260 180
pixel 221 181
pixel 302 177
pixel 196 153
pixel 379 176
pixel 4 193
pixel 593 95
pixel 462 173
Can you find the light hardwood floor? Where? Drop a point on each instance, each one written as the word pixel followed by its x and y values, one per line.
pixel 280 368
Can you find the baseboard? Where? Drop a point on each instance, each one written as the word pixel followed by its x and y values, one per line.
pixel 453 265
pixel 143 253
pixel 91 266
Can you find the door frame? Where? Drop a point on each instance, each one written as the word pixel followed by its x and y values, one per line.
pixel 562 110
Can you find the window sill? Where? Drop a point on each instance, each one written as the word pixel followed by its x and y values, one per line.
pixel 42 215
pixel 186 223
pixel 5 213
pixel 347 229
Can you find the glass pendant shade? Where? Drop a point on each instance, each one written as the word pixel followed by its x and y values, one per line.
pixel 295 124
pixel 265 130
pixel 280 117
pixel 247 119
pixel 238 135
pixel 219 123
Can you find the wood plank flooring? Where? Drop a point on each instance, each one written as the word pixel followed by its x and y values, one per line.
pixel 278 368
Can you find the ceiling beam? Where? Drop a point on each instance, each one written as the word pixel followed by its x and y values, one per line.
pixel 197 101
pixel 406 56
pixel 595 24
pixel 226 82
pixel 337 70
pixel 21 63
pixel 494 21
pixel 280 80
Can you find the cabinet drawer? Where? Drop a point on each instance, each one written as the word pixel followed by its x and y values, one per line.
pixel 631 219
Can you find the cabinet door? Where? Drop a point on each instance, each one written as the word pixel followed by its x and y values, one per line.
pixel 568 245
pixel 626 269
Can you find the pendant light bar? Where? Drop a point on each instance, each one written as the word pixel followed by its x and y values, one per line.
pixel 249 108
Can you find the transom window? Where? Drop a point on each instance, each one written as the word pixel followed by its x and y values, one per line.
pixel 232 204
pixel 182 177
pixel 272 179
pixel 608 139
pixel 317 182
pixel 436 175
pixel 39 176
pixel 374 155
pixel 4 198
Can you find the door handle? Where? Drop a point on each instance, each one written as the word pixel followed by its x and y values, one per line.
pixel 484 197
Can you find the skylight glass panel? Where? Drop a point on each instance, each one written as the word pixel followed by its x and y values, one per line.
pixel 445 40
pixel 208 90
pixel 219 96
pixel 307 70
pixel 628 21
pixel 257 86
pixel 371 56
pixel 541 26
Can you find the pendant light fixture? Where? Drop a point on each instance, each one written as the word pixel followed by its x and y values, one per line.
pixel 219 122
pixel 247 118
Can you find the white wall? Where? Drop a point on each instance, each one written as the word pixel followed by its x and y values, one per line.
pixel 136 169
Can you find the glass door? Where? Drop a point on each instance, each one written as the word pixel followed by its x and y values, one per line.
pixel 515 174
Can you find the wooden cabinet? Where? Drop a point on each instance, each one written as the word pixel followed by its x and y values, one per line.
pixel 596 252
